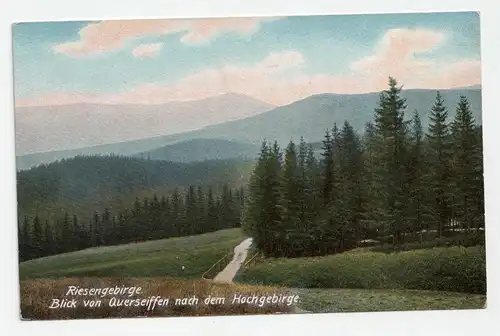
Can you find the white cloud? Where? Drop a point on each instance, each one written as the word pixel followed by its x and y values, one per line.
pixel 147 50
pixel 111 35
pixel 395 55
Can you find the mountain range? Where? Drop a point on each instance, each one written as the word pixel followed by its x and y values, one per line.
pixel 309 117
pixel 59 127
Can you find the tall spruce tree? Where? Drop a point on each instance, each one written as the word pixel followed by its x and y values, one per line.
pixel 389 172
pixel 369 148
pixel 253 217
pixel 439 157
pixel 274 211
pixel 327 167
pixel 212 216
pixel 25 240
pixel 416 169
pixel 467 169
pixel 291 206
pixel 48 233
pixel 38 242
pixel 302 180
pixel 262 216
pixel 331 215
pixel 201 216
pixel 228 214
pixel 95 230
pixel 351 171
pixel 191 211
pixel 178 213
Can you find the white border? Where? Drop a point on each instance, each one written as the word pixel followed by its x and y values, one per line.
pixel 400 323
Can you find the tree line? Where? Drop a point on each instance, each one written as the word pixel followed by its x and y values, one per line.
pixel 396 180
pixel 193 212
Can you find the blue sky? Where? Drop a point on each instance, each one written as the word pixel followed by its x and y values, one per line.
pixel 321 51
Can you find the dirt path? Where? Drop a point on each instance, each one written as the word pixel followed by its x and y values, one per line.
pixel 229 272
pixel 240 254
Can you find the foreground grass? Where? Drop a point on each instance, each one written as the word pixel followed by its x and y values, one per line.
pixel 157 258
pixel 454 269
pixel 367 300
pixel 37 295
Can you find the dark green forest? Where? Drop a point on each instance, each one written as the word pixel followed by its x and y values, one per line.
pixel 83 176
pixel 396 182
pixel 83 184
pixel 197 211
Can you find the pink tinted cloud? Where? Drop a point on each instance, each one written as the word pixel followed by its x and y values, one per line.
pixel 111 35
pixel 147 50
pixel 277 79
pixel 396 55
pixel 454 75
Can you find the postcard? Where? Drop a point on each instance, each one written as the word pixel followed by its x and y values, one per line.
pixel 249 165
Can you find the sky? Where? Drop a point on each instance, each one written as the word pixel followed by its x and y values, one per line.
pixel 277 60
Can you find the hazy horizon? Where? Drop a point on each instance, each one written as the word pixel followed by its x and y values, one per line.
pixel 153 77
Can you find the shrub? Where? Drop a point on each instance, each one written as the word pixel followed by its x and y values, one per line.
pixel 454 269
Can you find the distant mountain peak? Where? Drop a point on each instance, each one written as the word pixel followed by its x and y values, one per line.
pixel 238 96
pixel 63 127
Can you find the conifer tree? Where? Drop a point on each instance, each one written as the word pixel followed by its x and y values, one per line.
pixel 191 211
pixel 77 237
pixel 467 165
pixel 262 213
pixel 370 142
pixel 104 232
pixel 439 167
pixel 50 247
pixel 96 240
pixel 273 210
pixel 292 194
pixel 66 233
pixel 302 180
pixel 121 229
pixel 389 172
pixel 38 242
pixel 416 184
pixel 228 210
pixel 327 167
pixel 351 180
pixel 212 217
pixel 25 240
pixel 202 211
pixel 178 213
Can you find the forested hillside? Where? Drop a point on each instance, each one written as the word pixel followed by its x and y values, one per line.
pixel 197 210
pixel 397 180
pixel 86 183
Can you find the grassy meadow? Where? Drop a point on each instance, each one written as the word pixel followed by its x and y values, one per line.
pixel 320 300
pixel 156 266
pixel 362 280
pixel 455 269
pixel 356 280
pixel 159 258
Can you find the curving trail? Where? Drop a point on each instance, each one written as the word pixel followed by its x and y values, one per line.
pixel 229 272
pixel 240 254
